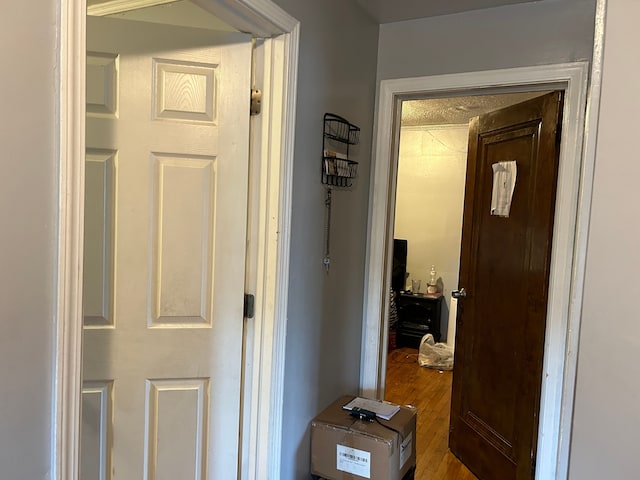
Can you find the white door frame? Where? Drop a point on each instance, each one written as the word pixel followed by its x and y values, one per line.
pixel 273 154
pixel 577 158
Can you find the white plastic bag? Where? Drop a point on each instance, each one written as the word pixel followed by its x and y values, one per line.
pixel 435 355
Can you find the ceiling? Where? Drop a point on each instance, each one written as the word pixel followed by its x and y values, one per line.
pixel 457 110
pixel 172 12
pixel 388 11
pixel 382 11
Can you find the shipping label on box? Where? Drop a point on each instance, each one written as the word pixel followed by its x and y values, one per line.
pixel 406 449
pixel 352 460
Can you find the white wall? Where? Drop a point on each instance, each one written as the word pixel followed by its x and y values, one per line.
pixel 338 47
pixel 536 33
pixel 606 427
pixel 429 203
pixel 27 243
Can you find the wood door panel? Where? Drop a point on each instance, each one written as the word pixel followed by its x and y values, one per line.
pixel 505 269
pixel 502 259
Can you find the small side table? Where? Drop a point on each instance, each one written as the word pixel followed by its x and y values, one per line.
pixel 418 315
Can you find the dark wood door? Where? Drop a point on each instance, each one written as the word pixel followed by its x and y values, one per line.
pixel 504 269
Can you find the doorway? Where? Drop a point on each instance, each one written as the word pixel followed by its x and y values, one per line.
pixel 430 189
pixel 432 159
pixel 262 399
pixel 562 319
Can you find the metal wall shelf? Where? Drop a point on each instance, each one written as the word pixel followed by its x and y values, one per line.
pixel 337 136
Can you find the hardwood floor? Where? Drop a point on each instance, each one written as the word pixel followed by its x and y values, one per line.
pixel 430 392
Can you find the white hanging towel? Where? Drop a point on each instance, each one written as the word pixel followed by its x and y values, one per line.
pixel 504 184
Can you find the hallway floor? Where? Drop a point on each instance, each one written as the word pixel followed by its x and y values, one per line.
pixel 430 391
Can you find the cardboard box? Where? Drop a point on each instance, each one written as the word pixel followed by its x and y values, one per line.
pixel 345 448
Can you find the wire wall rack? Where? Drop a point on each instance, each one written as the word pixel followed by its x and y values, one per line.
pixel 338 135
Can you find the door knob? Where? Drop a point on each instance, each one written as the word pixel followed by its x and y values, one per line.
pixel 462 293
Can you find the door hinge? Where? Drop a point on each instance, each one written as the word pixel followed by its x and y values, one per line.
pixel 249 305
pixel 256 101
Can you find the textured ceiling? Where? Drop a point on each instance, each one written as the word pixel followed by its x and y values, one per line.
pixel 388 11
pixel 457 110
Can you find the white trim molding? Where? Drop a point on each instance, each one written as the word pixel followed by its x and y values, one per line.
pixel 67 385
pixel 275 157
pixel 119 6
pixel 569 235
pixel 580 248
pixel 271 196
pixel 262 18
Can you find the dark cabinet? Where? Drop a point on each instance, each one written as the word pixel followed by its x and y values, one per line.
pixel 417 316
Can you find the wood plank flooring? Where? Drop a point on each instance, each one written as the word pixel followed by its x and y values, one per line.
pixel 430 392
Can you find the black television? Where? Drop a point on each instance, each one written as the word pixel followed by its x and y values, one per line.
pixel 399 267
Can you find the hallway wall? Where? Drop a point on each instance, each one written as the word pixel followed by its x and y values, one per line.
pixel 520 35
pixel 338 48
pixel 28 210
pixel 606 424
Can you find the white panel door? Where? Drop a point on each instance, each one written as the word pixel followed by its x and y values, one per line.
pixel 165 219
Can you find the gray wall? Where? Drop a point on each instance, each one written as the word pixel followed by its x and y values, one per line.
pixel 338 48
pixel 27 242
pixel 536 33
pixel 606 427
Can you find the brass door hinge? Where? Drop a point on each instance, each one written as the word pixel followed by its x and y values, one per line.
pixel 256 101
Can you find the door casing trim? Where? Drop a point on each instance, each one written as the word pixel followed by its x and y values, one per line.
pixel 569 235
pixel 262 17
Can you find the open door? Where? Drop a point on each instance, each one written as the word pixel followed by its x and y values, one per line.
pixel 165 248
pixel 504 269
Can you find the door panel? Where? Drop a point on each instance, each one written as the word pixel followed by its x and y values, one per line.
pixel 166 204
pixel 97 428
pixel 99 231
pixel 505 270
